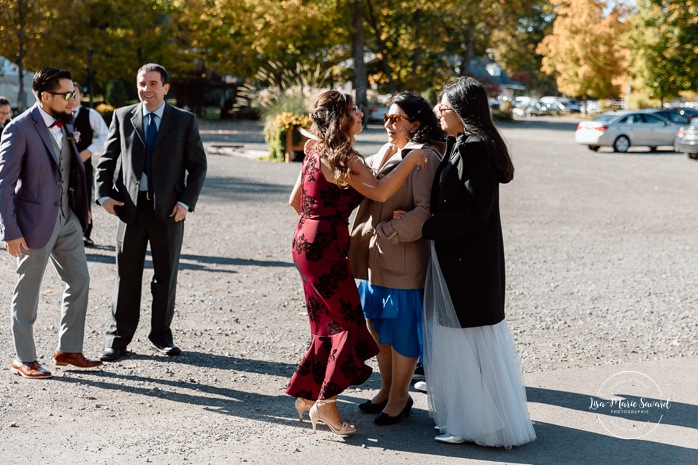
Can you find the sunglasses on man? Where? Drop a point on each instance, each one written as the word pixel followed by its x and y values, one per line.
pixel 67 95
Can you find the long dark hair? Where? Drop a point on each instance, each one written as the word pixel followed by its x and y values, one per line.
pixel 418 109
pixel 468 98
pixel 331 121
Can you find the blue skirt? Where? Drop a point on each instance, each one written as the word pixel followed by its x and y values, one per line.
pixel 396 315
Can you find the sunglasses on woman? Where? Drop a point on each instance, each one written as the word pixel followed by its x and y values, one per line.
pixel 442 109
pixel 394 118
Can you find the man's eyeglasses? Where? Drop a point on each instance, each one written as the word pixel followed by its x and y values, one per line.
pixel 68 95
pixel 443 109
pixel 394 118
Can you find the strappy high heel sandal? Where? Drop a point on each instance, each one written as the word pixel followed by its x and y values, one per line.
pixel 303 405
pixel 344 430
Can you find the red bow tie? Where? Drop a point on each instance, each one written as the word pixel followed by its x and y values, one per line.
pixel 58 124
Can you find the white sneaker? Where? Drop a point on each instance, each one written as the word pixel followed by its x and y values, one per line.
pixel 421 386
pixel 449 439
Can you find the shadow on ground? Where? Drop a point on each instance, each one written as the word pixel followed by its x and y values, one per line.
pixel 233 188
pixel 555 444
pixel 535 123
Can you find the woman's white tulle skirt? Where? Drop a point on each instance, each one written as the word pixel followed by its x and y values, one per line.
pixel 475 387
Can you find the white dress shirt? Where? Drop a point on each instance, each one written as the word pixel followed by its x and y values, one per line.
pixel 99 129
pixel 55 131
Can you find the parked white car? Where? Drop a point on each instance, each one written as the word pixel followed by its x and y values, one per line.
pixel 624 129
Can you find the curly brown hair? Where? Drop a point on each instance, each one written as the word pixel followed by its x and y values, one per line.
pixel 332 118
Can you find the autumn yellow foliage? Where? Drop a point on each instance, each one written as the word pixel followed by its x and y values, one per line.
pixel 586 50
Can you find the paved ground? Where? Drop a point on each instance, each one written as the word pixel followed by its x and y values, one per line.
pixel 602 297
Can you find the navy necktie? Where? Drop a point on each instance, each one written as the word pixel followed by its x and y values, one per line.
pixel 150 136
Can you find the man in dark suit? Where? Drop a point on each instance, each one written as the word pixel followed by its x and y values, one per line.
pixel 149 175
pixel 5 113
pixel 93 132
pixel 43 212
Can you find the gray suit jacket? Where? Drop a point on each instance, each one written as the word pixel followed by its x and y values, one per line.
pixel 179 161
pixel 30 181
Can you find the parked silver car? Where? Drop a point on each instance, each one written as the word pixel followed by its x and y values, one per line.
pixel 376 111
pixel 687 141
pixel 530 108
pixel 624 129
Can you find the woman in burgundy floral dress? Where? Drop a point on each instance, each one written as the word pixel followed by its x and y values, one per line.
pixel 332 182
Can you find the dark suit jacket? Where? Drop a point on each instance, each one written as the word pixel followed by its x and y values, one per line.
pixel 467 231
pixel 179 161
pixel 30 181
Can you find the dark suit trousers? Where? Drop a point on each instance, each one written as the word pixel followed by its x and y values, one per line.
pixel 131 243
pixel 90 182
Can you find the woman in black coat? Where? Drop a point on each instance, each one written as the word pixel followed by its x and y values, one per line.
pixel 472 368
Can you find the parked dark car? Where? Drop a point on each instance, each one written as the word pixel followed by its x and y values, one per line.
pixel 676 115
pixel 687 141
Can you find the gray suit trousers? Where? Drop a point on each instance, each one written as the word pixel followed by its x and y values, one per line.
pixel 67 252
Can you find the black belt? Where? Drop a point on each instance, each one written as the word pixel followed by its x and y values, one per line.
pixel 145 195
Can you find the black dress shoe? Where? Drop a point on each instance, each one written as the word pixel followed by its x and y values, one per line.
pixel 88 242
pixel 418 373
pixel 385 419
pixel 370 407
pixel 111 355
pixel 168 349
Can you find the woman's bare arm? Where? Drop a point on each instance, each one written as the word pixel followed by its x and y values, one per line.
pixel 364 182
pixel 295 199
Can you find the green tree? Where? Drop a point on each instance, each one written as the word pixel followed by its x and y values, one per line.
pixel 664 48
pixel 516 45
pixel 115 93
pixel 421 44
pixel 22 28
pixel 238 37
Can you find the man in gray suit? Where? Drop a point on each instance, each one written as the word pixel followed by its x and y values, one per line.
pixel 43 212
pixel 149 175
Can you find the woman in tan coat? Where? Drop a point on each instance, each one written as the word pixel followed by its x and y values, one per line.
pixel 389 256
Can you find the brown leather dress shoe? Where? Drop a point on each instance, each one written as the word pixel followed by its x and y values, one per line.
pixel 31 370
pixel 76 359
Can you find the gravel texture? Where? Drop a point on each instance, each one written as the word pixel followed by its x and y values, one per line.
pixel 601 270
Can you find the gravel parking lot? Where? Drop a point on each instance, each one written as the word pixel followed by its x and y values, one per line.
pixel 601 271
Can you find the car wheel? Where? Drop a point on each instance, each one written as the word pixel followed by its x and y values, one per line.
pixel 622 144
pixel 653 149
pixel 594 148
